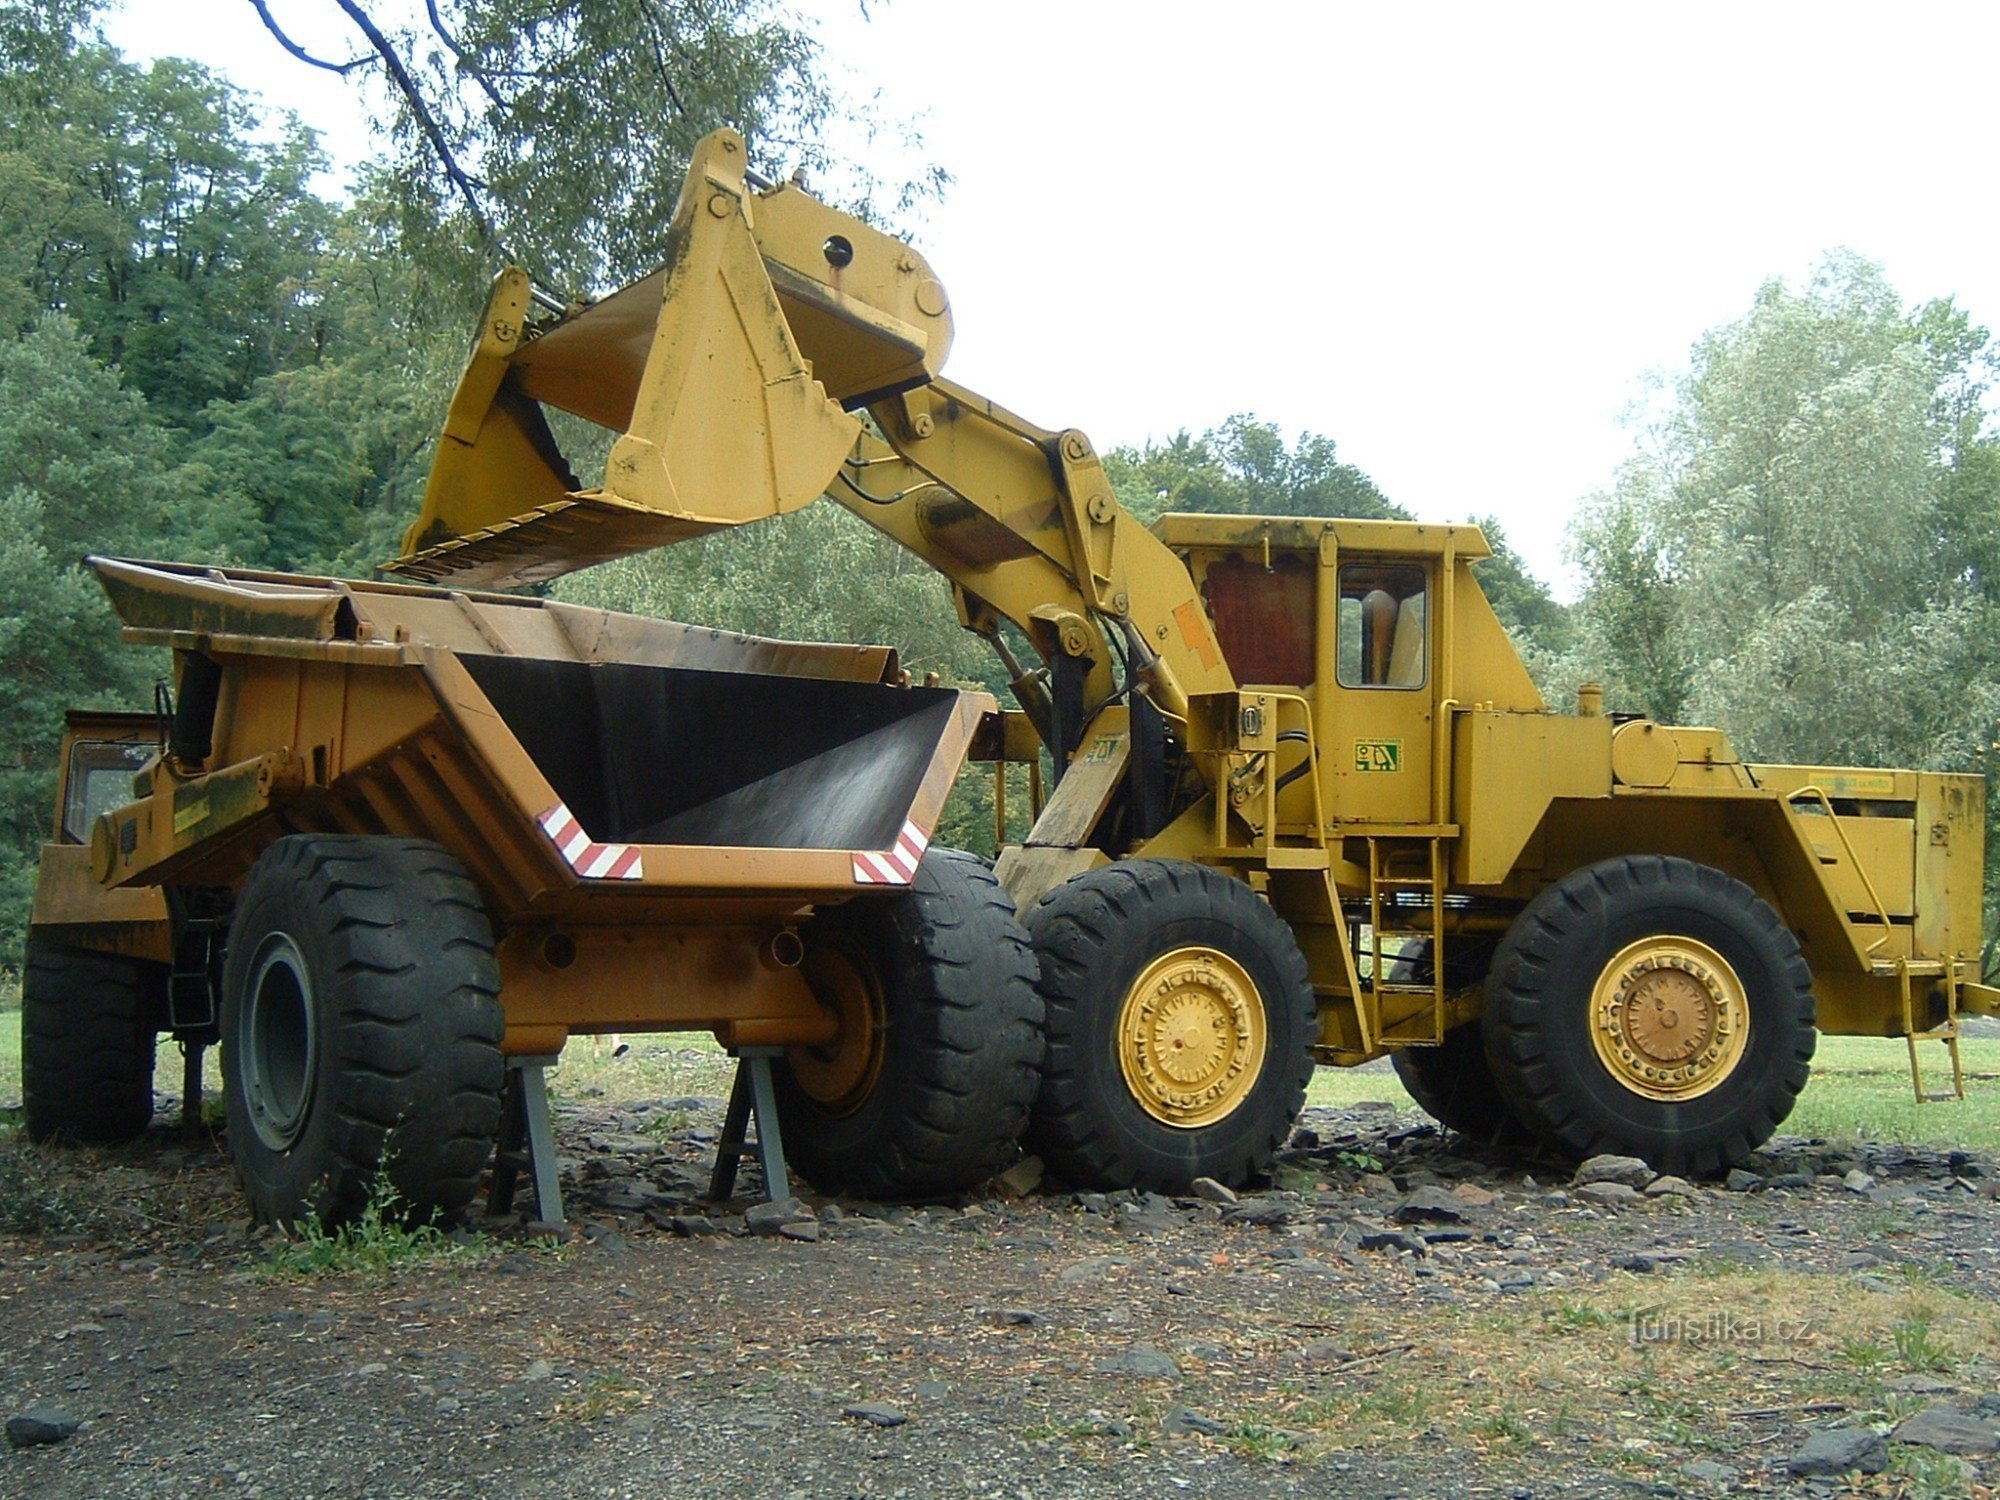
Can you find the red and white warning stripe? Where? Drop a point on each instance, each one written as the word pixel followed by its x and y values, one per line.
pixel 893 866
pixel 589 859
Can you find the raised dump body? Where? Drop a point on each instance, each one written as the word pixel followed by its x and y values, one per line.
pixel 615 786
pixel 629 824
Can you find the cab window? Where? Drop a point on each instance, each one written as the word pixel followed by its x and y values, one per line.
pixel 1381 630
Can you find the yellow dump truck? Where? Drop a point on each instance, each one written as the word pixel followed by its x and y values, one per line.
pixel 1306 805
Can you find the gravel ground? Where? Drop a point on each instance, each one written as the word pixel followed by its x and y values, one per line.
pixel 1395 1315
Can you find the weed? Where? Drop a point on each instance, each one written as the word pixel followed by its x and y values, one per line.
pixel 665 1124
pixel 1254 1440
pixel 1916 1347
pixel 1406 1406
pixel 1504 1427
pixel 603 1394
pixel 1864 1354
pixel 1578 1315
pixel 1360 1161
pixel 1927 1474
pixel 380 1239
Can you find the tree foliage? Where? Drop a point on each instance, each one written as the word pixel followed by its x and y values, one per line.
pixel 203 355
pixel 1803 553
pixel 555 133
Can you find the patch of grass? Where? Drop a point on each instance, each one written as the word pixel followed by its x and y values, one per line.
pixel 1571 1316
pixel 603 1394
pixel 1926 1474
pixel 381 1239
pixel 1642 1381
pixel 1341 1088
pixel 1860 1090
pixel 1255 1441
pixel 655 1065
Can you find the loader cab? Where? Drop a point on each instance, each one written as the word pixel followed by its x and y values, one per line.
pixel 1368 633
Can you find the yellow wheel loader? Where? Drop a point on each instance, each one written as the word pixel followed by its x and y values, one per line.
pixel 1305 806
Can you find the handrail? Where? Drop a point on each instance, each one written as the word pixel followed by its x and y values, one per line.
pixel 1847 846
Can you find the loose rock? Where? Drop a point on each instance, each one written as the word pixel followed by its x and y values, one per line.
pixel 1842 1450
pixel 875 1412
pixel 1180 1422
pixel 1949 1430
pixel 771 1218
pixel 39 1425
pixel 1629 1170
pixel 1268 1212
pixel 1609 1194
pixel 1022 1178
pixel 1210 1191
pixel 1142 1362
pixel 1431 1205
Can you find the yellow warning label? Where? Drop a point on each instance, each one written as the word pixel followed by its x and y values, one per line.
pixel 1378 755
pixel 190 813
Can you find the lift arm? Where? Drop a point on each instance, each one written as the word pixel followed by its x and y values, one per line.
pixel 785 351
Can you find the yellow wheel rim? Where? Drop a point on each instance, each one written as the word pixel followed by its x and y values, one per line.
pixel 1191 1037
pixel 1669 1018
pixel 840 1074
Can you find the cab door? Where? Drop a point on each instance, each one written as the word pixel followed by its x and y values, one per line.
pixel 1376 729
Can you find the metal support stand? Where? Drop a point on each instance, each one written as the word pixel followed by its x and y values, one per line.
pixel 527 1140
pixel 191 1091
pixel 752 1090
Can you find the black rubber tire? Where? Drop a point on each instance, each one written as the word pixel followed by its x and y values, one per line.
pixel 88 1030
pixel 392 955
pixel 1094 935
pixel 1537 1021
pixel 961 1040
pixel 1452 1082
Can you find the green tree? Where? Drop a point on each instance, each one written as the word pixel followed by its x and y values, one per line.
pixel 555 133
pixel 81 469
pixel 1245 468
pixel 142 202
pixel 1804 551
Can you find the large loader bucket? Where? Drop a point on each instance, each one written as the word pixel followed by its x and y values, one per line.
pixel 731 375
pixel 576 761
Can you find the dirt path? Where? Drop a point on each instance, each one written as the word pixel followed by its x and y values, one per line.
pixel 1393 1318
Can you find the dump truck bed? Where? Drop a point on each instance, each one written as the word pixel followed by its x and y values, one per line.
pixel 584 765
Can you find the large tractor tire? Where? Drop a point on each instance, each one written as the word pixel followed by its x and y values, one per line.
pixel 1452 1082
pixel 927 1087
pixel 1651 1007
pixel 89 1024
pixel 1181 1027
pixel 361 1030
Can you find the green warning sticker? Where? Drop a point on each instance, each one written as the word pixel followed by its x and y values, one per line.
pixel 1378 755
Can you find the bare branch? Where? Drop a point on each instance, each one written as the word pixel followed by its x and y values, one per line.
pixel 263 10
pixel 427 121
pixel 475 73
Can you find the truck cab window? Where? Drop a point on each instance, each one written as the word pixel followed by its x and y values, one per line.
pixel 1380 634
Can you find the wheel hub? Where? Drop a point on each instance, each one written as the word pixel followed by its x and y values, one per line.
pixel 1669 1018
pixel 1191 1037
pixel 840 1074
pixel 277 1043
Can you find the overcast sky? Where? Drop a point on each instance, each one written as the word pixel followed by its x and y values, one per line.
pixel 1455 238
